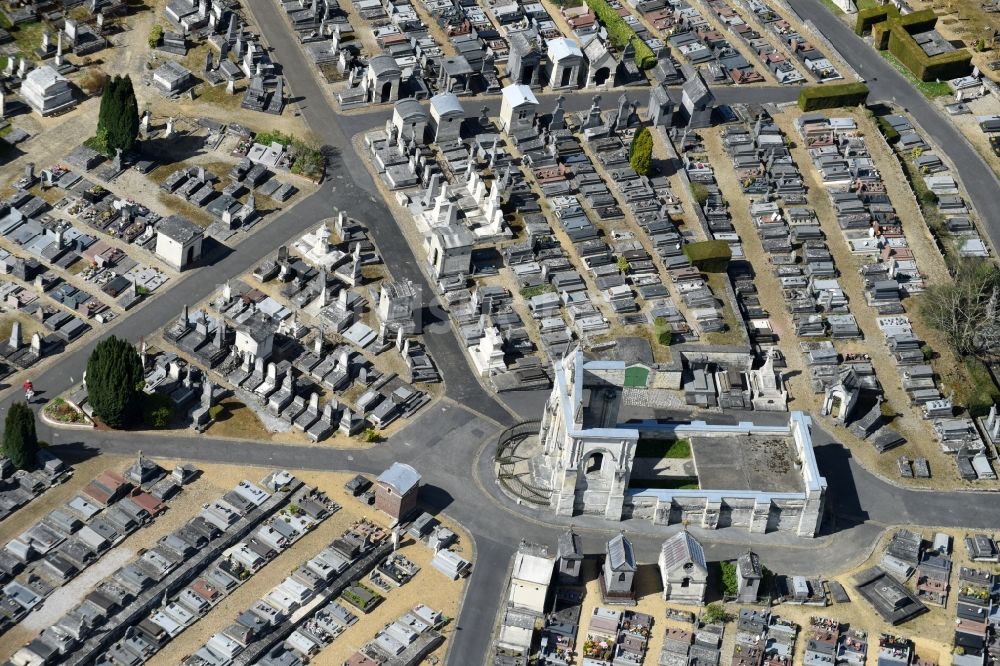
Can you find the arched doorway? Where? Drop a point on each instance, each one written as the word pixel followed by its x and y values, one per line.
pixel 601 77
pixel 386 91
pixel 593 463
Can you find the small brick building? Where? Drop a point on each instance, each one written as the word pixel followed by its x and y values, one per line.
pixel 396 490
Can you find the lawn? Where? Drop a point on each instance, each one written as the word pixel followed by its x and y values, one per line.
pixel 28 37
pixel 530 292
pixel 663 448
pixel 930 89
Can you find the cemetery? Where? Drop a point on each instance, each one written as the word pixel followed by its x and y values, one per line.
pixel 372 55
pixel 303 325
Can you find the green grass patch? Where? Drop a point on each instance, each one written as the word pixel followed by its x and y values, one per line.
pixel 712 256
pixel 537 290
pixel 930 89
pixel 982 393
pixel 663 448
pixel 28 37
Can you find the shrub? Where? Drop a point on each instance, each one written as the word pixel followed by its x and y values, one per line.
pixel 155 35
pixel 215 411
pixel 700 193
pixel 92 81
pixel 928 197
pixel 712 256
pixel 640 154
pixel 663 331
pixel 730 585
pixel 371 435
pixel 715 613
pixel 157 410
pixel 622 265
pixel 812 98
pixel 927 351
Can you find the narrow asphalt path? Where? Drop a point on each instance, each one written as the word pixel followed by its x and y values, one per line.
pixel 887 84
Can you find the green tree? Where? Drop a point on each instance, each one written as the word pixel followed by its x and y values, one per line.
pixel 114 381
pixel 19 439
pixel 118 118
pixel 715 613
pixel 640 154
pixel 730 584
pixel 700 193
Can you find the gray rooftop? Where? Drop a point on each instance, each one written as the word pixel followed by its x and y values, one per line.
pixel 179 229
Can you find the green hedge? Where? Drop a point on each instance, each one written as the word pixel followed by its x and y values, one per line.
pixel 880 35
pixel 921 21
pixel 945 66
pixel 813 98
pixel 621 34
pixel 641 152
pixel 869 17
pixel 712 256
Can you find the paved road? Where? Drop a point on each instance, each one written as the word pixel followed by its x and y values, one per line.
pixel 887 84
pixel 450 442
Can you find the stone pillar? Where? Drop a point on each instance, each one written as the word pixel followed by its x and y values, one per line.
pixel 759 517
pixel 710 518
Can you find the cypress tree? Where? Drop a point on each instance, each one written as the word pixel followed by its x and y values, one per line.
pixel 19 439
pixel 118 119
pixel 114 380
pixel 641 152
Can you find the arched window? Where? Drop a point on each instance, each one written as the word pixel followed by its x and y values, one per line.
pixel 594 463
